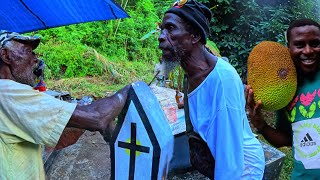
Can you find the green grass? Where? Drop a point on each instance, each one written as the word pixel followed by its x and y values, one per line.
pixel 118 75
pixel 288 164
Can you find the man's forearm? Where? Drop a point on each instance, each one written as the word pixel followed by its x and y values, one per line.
pixel 275 137
pixel 84 119
pixel 98 115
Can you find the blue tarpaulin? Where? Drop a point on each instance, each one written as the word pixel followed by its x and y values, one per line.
pixel 29 15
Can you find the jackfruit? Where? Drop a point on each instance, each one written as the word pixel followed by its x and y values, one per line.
pixel 272 75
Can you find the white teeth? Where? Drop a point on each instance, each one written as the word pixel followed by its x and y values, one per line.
pixel 308 61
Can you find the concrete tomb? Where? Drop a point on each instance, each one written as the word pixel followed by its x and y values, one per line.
pixel 142 144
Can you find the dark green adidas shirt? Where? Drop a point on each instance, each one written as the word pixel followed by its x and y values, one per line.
pixel 303 113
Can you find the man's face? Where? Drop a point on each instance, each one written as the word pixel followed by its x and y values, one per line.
pixel 23 63
pixel 174 40
pixel 304 47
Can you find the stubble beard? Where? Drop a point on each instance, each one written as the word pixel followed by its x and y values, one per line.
pixel 25 78
pixel 21 71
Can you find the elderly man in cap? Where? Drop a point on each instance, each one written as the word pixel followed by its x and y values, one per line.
pixel 30 119
pixel 215 96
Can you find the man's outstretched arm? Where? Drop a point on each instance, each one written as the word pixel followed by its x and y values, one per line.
pixel 98 115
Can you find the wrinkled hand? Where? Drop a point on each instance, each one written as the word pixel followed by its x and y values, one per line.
pixel 254 109
pixel 111 108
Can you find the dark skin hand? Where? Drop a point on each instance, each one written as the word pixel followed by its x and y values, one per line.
pixel 99 115
pixel 68 137
pixel 304 48
pixel 274 136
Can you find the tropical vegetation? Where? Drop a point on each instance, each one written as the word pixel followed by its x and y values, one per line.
pixel 97 58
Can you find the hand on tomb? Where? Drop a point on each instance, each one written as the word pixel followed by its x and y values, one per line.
pixel 110 108
pixel 109 131
pixel 98 115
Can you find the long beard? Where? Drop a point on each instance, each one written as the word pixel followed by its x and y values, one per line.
pixel 170 63
pixel 169 66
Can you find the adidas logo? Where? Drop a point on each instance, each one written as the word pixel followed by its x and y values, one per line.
pixel 307 141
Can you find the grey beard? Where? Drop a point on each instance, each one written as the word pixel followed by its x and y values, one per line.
pixel 170 63
pixel 170 66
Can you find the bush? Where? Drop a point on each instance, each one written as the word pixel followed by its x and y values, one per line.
pixel 238 25
pixel 66 60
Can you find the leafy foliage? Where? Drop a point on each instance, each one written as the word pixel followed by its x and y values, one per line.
pixel 70 51
pixel 238 25
pixel 105 55
pixel 78 62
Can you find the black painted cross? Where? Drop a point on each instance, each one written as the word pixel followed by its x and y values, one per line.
pixel 143 121
pixel 133 147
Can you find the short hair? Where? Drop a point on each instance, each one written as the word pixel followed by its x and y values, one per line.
pixel 300 23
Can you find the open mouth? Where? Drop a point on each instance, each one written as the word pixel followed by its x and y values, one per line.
pixel 308 61
pixel 163 48
pixel 166 51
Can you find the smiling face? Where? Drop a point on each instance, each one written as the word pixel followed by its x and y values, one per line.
pixel 304 47
pixel 23 61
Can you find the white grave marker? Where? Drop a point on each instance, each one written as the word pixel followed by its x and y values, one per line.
pixel 142 143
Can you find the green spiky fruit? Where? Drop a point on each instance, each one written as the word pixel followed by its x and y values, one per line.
pixel 272 75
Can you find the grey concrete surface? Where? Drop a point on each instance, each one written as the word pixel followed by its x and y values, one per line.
pixel 89 158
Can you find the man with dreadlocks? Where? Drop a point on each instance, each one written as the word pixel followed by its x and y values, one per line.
pixel 216 101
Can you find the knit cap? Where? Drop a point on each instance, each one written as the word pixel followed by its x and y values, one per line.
pixel 195 13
